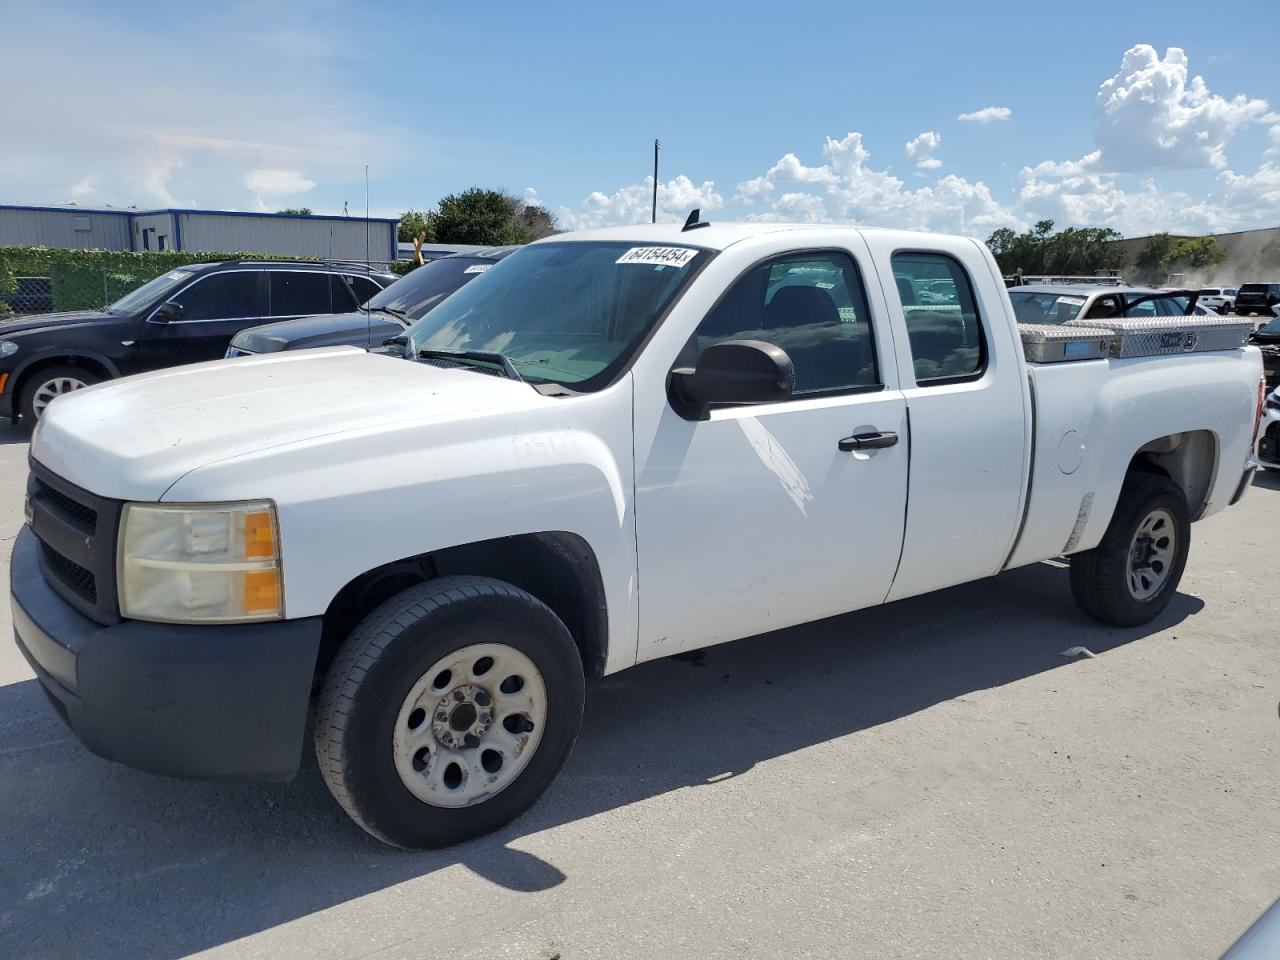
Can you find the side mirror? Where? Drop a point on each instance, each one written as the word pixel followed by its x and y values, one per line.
pixel 733 372
pixel 168 312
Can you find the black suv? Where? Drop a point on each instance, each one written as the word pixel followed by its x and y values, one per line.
pixel 184 316
pixel 1254 298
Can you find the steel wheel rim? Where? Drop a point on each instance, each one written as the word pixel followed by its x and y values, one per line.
pixel 1151 554
pixel 462 735
pixel 50 390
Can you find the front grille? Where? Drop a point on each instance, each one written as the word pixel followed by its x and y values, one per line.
pixel 71 574
pixel 77 534
pixel 81 515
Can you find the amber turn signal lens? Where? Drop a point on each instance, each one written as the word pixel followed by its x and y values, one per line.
pixel 259 536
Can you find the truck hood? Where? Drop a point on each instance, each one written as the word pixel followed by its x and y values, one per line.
pixel 34 322
pixel 132 439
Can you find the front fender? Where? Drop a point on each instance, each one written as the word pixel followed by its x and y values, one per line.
pixel 354 502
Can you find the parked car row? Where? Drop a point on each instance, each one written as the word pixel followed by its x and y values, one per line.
pixel 184 316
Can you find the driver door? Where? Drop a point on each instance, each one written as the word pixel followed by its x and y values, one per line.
pixel 754 518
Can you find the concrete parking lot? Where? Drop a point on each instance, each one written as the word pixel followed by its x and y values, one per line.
pixel 928 779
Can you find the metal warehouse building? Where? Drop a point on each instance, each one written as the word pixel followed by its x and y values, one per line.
pixel 213 231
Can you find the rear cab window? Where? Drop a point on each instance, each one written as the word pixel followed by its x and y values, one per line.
pixel 943 326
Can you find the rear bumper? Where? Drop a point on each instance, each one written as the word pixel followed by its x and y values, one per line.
pixel 217 701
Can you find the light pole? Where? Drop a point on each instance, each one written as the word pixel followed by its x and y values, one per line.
pixel 654 218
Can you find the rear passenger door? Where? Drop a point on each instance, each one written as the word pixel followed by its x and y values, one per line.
pixel 215 307
pixel 304 293
pixel 754 518
pixel 968 413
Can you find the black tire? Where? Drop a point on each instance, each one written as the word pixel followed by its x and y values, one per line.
pixel 34 380
pixel 378 665
pixel 1100 577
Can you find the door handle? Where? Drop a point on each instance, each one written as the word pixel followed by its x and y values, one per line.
pixel 868 441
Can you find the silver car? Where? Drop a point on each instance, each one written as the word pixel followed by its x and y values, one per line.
pixel 1058 303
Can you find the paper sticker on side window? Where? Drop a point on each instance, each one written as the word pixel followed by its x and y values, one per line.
pixel 659 256
pixel 1071 301
pixel 478 268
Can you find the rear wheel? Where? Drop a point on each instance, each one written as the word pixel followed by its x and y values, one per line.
pixel 448 711
pixel 1133 573
pixel 44 386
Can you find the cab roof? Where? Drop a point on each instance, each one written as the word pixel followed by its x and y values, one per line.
pixel 716 235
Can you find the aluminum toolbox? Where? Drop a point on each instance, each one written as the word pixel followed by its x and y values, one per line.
pixel 1166 336
pixel 1056 343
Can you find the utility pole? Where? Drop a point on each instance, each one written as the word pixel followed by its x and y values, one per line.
pixel 656 145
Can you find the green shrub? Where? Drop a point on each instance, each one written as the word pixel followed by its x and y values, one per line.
pixel 88 279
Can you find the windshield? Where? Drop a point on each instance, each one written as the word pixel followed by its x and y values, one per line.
pixel 1050 308
pixel 151 292
pixel 1272 329
pixel 569 313
pixel 416 293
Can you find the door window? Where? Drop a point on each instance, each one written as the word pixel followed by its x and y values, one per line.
pixel 296 293
pixel 364 288
pixel 943 328
pixel 1104 308
pixel 813 306
pixel 1143 308
pixel 222 296
pixel 342 298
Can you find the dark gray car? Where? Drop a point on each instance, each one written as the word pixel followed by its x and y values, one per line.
pixel 385 315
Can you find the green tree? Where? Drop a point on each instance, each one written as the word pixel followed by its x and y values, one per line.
pixel 1075 251
pixel 490 218
pixel 1151 259
pixel 1200 253
pixel 415 228
pixel 477 216
pixel 297 211
pixel 538 221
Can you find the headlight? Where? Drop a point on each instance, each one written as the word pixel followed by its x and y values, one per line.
pixel 193 563
pixel 8 348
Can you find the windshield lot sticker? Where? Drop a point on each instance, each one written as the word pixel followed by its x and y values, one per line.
pixel 478 268
pixel 659 256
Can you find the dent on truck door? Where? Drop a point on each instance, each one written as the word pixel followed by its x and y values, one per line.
pixel 968 421
pixel 755 518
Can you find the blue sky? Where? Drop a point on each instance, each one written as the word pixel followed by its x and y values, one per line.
pixel 774 111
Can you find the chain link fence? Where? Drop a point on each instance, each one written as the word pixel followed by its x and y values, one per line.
pixel 72 285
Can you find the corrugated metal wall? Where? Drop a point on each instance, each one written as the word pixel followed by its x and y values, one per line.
pixel 337 239
pixel 67 229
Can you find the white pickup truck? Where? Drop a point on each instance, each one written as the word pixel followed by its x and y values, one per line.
pixel 613 446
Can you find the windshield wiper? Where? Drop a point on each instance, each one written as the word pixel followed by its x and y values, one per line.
pixel 484 356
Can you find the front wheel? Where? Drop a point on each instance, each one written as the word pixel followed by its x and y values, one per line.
pixel 448 711
pixel 44 386
pixel 1133 573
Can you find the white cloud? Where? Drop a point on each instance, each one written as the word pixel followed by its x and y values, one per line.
pixel 853 191
pixel 633 204
pixel 277 182
pixel 83 188
pixel 1150 116
pixel 751 190
pixel 920 149
pixel 273 184
pixel 531 197
pixel 986 115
